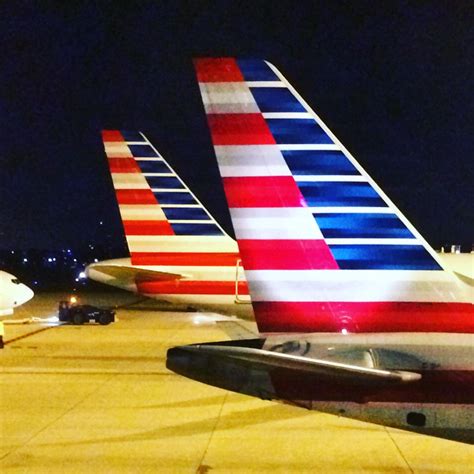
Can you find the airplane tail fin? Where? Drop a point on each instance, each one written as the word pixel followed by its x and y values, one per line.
pixel 323 247
pixel 162 219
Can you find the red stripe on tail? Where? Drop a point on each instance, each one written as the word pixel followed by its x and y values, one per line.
pixel 148 228
pixel 112 136
pixel 123 165
pixel 239 129
pixel 268 191
pixel 286 255
pixel 217 70
pixel 135 196
pixel 276 316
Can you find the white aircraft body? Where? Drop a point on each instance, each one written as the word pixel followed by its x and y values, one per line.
pixel 13 293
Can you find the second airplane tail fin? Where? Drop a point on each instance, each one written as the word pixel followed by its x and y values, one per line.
pixel 162 218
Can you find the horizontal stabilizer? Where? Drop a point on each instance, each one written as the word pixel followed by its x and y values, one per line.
pixel 464 278
pixel 133 274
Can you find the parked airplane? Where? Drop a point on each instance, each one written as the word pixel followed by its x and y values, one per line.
pixel 12 293
pixel 358 317
pixel 178 252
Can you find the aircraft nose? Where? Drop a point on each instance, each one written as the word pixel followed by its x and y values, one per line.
pixel 26 293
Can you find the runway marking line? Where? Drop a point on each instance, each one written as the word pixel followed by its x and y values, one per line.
pixel 23 336
pixel 387 430
pixel 203 468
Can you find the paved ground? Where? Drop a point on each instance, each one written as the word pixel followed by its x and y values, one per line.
pixel 99 399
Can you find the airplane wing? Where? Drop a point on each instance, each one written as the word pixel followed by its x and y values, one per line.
pixel 348 372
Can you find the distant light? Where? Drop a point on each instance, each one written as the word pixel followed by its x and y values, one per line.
pixel 101 222
pixel 25 260
pixel 76 279
pixel 13 251
pixel 81 276
pixel 75 259
pixel 73 300
pixel 54 259
pixel 50 259
pixel 95 260
pixel 68 250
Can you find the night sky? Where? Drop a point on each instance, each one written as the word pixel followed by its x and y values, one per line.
pixel 393 80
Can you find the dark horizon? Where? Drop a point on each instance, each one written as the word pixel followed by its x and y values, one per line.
pixel 392 82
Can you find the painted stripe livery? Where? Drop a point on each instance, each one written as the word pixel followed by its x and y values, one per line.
pixel 168 230
pixel 186 287
pixel 300 203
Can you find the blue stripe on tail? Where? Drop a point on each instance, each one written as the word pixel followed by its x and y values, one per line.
pixel 362 225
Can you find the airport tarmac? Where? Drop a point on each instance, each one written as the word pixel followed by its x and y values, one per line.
pixel 99 399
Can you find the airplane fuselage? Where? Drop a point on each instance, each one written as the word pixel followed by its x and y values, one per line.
pixel 213 288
